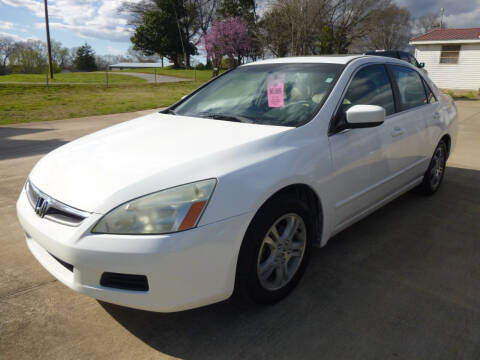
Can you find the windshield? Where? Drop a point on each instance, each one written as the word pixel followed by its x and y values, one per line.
pixel 274 94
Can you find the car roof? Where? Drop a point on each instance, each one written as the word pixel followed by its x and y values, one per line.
pixel 326 59
pixel 381 52
pixel 334 59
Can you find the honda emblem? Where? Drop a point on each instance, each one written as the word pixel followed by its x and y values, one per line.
pixel 41 207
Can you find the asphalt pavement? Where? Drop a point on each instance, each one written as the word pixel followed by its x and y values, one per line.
pixel 404 283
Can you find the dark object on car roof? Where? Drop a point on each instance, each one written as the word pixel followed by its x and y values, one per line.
pixel 398 54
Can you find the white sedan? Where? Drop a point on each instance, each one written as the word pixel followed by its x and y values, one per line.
pixel 228 190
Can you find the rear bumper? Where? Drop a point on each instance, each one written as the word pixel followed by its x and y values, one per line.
pixel 184 270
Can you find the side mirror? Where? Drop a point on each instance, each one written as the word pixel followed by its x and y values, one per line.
pixel 363 116
pixel 421 65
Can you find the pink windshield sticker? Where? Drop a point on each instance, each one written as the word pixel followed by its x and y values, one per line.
pixel 275 87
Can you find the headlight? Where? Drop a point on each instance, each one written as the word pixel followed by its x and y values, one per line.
pixel 166 211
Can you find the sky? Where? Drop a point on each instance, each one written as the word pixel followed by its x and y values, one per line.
pixel 98 22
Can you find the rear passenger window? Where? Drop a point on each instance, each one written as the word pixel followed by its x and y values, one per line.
pixel 410 86
pixel 370 86
pixel 430 95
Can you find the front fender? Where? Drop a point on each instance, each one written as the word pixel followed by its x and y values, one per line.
pixel 246 189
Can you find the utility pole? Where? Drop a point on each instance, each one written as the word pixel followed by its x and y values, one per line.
pixel 180 34
pixel 49 46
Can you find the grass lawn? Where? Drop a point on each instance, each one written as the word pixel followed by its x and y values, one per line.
pixel 462 95
pixel 24 103
pixel 86 77
pixel 202 75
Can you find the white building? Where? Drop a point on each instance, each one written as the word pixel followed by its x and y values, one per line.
pixel 451 57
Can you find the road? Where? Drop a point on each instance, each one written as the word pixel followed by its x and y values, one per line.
pixel 401 284
pixel 150 78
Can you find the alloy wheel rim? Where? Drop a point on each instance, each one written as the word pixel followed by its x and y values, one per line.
pixel 438 167
pixel 281 252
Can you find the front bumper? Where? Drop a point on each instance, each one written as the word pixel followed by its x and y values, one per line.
pixel 184 270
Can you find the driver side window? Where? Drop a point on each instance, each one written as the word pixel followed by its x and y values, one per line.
pixel 370 86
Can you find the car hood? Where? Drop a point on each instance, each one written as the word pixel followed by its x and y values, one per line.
pixel 141 156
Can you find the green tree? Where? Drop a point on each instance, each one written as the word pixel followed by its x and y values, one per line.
pixel 158 34
pixel 60 54
pixel 166 28
pixel 236 8
pixel 7 48
pixel 85 58
pixel 27 59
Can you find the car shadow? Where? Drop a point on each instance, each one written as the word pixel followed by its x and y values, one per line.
pixel 398 284
pixel 15 148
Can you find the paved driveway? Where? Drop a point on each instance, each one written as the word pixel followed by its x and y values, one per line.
pixel 403 283
pixel 151 77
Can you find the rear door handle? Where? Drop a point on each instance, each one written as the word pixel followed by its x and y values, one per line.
pixel 397 131
pixel 436 116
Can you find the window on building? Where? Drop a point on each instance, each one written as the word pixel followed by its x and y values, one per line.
pixel 450 54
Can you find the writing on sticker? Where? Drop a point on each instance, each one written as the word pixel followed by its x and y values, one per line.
pixel 275 90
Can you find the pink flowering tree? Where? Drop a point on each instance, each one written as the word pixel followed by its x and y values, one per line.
pixel 227 37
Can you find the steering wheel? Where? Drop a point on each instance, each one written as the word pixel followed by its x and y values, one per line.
pixel 299 102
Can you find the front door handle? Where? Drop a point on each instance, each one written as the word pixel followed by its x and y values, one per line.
pixel 397 131
pixel 436 116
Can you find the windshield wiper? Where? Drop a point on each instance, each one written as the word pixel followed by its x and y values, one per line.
pixel 170 111
pixel 234 118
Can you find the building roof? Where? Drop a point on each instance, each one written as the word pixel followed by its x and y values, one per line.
pixel 449 34
pixel 133 65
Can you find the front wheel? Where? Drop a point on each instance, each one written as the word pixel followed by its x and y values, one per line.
pixel 275 251
pixel 434 175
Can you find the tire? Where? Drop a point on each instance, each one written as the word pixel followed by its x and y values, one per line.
pixel 436 170
pixel 287 258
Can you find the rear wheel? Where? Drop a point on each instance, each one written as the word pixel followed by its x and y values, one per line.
pixel 434 175
pixel 275 250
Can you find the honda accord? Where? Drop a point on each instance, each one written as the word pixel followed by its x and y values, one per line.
pixel 227 191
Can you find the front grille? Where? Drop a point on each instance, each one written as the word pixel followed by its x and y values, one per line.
pixel 63 263
pixel 124 281
pixel 54 209
pixel 63 216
